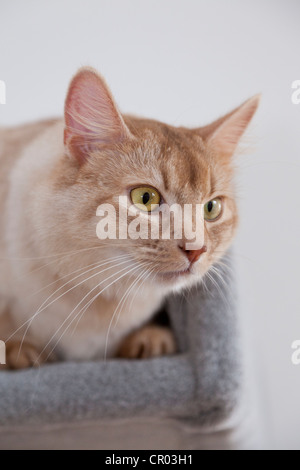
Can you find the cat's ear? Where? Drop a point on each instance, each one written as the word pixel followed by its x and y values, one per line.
pixel 223 135
pixel 92 119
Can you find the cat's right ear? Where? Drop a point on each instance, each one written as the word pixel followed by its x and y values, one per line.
pixel 92 119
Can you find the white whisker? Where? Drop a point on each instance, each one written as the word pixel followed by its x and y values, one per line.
pixel 126 295
pixel 96 265
pixel 218 289
pixel 58 255
pixel 123 299
pixel 217 272
pixel 84 308
pixel 42 308
pixel 62 295
pixel 94 298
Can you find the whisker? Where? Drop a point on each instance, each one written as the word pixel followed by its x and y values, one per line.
pixel 74 272
pixel 42 308
pixel 126 295
pixel 226 266
pixel 93 299
pixel 85 307
pixel 62 295
pixel 141 286
pixel 57 255
pixel 44 266
pixel 123 299
pixel 225 300
pixel 215 270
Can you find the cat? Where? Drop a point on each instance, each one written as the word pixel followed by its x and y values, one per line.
pixel 65 294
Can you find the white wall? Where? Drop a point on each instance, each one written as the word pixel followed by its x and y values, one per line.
pixel 187 62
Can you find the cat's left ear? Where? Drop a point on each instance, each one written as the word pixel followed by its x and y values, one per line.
pixel 223 135
pixel 92 119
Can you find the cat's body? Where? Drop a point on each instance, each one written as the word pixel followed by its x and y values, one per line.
pixel 22 175
pixel 54 175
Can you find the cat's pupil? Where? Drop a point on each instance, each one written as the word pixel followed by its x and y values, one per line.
pixel 210 206
pixel 146 198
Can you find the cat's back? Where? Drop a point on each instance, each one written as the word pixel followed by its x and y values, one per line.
pixel 12 143
pixel 14 139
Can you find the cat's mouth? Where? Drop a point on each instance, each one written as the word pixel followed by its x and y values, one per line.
pixel 173 275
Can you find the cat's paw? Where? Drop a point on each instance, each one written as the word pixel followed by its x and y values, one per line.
pixel 23 356
pixel 150 341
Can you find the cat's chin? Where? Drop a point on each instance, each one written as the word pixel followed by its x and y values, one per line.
pixel 172 276
pixel 176 281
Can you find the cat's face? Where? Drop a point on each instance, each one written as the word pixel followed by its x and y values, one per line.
pixel 141 159
pixel 180 170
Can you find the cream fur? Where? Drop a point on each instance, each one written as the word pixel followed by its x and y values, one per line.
pixel 28 207
pixel 54 174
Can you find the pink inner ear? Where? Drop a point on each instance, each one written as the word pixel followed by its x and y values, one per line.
pixel 91 116
pixel 226 136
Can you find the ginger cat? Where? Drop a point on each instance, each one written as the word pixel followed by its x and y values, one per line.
pixel 65 294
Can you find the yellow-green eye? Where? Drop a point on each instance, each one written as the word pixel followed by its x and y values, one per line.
pixel 213 209
pixel 145 198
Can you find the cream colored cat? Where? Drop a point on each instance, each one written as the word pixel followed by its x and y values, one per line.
pixel 66 295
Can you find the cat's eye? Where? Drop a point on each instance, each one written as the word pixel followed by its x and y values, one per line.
pixel 213 209
pixel 145 198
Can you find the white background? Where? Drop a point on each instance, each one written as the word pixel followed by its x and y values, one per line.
pixel 187 62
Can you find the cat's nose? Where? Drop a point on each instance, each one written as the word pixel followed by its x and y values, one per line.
pixel 193 255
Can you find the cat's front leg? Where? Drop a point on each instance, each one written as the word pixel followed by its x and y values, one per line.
pixel 147 342
pixel 24 355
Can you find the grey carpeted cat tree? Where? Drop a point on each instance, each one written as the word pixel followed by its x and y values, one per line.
pixel 187 401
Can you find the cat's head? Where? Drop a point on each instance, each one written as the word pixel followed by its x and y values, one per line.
pixel 111 155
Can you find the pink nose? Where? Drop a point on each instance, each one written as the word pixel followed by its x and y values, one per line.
pixel 194 255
